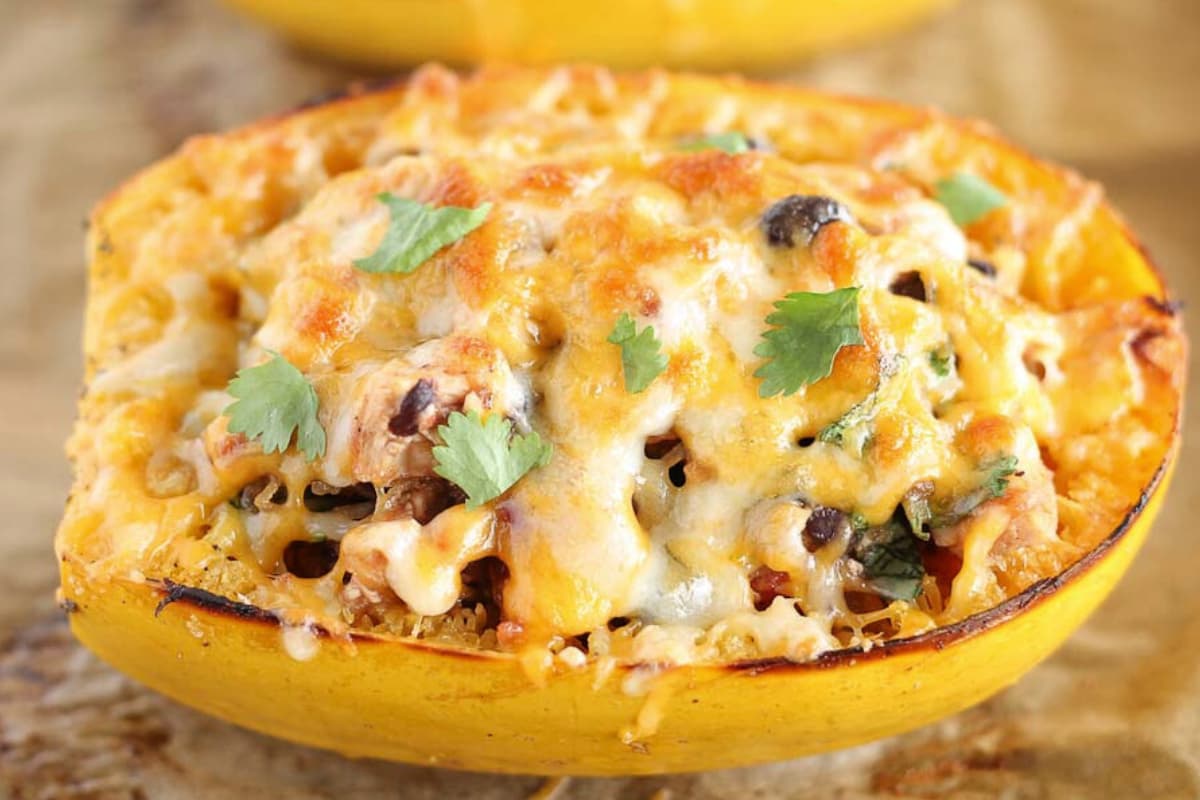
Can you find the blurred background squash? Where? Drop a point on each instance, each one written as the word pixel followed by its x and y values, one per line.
pixel 751 34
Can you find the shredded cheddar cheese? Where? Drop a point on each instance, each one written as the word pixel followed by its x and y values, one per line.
pixel 672 524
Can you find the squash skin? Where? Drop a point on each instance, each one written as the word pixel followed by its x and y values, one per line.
pixel 423 703
pixel 628 33
pixel 427 704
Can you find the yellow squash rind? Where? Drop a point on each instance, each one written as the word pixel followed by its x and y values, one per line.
pixel 422 703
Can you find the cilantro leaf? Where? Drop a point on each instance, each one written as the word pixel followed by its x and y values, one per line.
pixel 810 329
pixel 274 400
pixel 641 356
pixel 968 197
pixel 835 432
pixel 417 231
pixel 942 361
pixel 891 561
pixel 483 457
pixel 998 473
pixel 730 142
pixel 994 484
pixel 863 410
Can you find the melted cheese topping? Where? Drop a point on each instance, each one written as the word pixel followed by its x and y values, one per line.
pixel 245 243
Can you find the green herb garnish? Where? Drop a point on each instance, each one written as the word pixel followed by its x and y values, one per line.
pixel 835 432
pixel 860 412
pixel 275 400
pixel 810 329
pixel 730 142
pixel 942 361
pixel 994 484
pixel 641 356
pixel 483 457
pixel 417 231
pixel 891 561
pixel 968 197
pixel 998 473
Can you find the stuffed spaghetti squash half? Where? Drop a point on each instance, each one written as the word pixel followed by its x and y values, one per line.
pixel 568 422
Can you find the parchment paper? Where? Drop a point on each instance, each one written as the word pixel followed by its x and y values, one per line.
pixel 90 91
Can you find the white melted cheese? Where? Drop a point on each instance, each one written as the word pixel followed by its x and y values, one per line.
pixel 424 563
pixel 782 631
pixel 183 350
pixel 438 317
pixel 695 578
pixel 301 642
pixel 729 295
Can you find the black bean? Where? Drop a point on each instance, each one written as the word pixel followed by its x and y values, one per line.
pixel 798 217
pixel 421 498
pixel 250 492
pixel 306 559
pixel 330 498
pixel 985 268
pixel 823 527
pixel 909 284
pixel 407 419
pixel 245 498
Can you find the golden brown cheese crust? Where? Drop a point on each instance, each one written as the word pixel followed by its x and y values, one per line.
pixel 245 243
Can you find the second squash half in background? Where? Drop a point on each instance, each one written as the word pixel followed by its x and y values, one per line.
pixel 704 34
